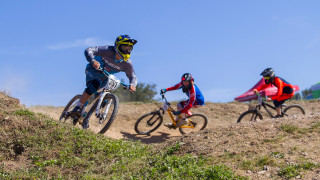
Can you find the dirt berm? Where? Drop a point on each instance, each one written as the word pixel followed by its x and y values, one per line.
pixel 258 150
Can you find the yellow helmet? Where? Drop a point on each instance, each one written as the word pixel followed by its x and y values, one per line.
pixel 124 45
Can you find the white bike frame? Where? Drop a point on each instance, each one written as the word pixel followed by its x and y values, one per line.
pixel 112 84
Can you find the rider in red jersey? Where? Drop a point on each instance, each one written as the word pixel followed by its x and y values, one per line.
pixel 195 99
pixel 285 89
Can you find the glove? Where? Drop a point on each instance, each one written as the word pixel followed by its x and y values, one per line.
pixel 163 91
pixel 176 112
pixel 256 90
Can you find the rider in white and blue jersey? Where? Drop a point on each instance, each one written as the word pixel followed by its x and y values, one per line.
pixel 111 58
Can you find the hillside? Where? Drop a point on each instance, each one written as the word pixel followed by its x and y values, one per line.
pixel 268 149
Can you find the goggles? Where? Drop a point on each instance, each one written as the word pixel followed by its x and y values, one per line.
pixel 266 78
pixel 126 49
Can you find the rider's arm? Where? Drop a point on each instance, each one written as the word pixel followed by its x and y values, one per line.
pixel 192 99
pixel 131 74
pixel 90 53
pixel 262 87
pixel 177 86
pixel 279 85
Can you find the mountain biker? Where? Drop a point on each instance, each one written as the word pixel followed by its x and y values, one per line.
pixel 111 58
pixel 196 99
pixel 285 89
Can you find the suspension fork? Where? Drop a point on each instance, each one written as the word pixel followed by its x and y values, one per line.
pixel 104 115
pixel 102 95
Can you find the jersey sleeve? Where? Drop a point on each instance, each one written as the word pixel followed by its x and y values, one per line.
pixel 131 75
pixel 263 86
pixel 192 99
pixel 175 87
pixel 91 52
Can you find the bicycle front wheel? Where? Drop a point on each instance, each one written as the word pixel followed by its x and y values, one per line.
pixel 293 110
pixel 197 122
pixel 104 117
pixel 249 116
pixel 65 115
pixel 148 123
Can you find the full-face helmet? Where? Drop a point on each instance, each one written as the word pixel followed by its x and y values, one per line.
pixel 268 75
pixel 124 45
pixel 187 77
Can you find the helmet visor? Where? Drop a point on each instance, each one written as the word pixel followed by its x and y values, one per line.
pixel 266 78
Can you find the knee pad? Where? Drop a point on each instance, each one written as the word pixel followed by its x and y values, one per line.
pixel 92 87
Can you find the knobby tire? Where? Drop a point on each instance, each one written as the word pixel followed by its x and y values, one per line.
pixel 251 113
pixel 149 118
pixel 67 108
pixel 112 116
pixel 296 108
pixel 203 119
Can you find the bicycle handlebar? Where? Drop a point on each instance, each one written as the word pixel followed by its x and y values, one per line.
pixel 259 96
pixel 106 73
pixel 166 101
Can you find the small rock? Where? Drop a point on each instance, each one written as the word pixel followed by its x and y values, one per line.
pixel 261 172
pixel 265 168
pixel 304 154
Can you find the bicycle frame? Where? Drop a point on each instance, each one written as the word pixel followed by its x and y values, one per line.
pixel 261 102
pixel 112 84
pixel 167 107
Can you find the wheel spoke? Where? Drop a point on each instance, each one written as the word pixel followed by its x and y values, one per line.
pixel 196 123
pixel 148 123
pixel 249 116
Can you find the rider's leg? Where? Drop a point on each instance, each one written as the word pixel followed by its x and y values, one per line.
pixel 278 109
pixel 181 120
pixel 178 120
pixel 277 105
pixel 92 87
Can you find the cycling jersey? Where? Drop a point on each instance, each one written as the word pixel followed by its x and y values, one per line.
pixel 194 94
pixel 285 89
pixel 106 56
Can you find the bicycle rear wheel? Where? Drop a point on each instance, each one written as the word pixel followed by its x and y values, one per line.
pixel 148 123
pixel 102 121
pixel 293 110
pixel 65 115
pixel 197 122
pixel 249 116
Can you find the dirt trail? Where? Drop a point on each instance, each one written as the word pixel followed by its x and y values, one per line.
pixel 254 149
pixel 219 114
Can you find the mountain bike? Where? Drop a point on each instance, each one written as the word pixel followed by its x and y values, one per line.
pixel 253 115
pixel 104 104
pixel 152 121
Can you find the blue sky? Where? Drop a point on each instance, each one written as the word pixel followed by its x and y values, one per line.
pixel 224 44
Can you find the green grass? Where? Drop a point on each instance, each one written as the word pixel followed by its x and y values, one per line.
pixel 60 151
pixel 288 128
pixel 25 112
pixel 292 171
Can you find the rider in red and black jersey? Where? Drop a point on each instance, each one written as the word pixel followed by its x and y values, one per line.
pixel 195 98
pixel 285 89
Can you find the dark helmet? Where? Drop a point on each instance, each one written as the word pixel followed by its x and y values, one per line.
pixel 268 75
pixel 187 77
pixel 124 40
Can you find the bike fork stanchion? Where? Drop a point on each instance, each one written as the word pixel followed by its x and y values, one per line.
pixel 104 115
pixel 99 102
